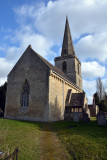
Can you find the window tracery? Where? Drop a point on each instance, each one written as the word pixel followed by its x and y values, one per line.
pixel 25 95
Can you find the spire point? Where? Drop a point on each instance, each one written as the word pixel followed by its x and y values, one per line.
pixel 66 17
pixel 67 47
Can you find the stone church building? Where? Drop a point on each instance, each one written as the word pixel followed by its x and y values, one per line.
pixel 39 91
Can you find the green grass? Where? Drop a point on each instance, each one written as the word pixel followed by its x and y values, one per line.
pixel 84 141
pixel 24 135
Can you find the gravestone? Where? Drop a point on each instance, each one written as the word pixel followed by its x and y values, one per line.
pixel 76 117
pixel 101 119
pixel 85 117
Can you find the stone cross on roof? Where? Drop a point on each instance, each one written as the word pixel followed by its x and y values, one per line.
pixel 67 47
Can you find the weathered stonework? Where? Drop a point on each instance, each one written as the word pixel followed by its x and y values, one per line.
pixel 68 56
pixel 58 89
pixel 73 71
pixel 48 88
pixel 28 67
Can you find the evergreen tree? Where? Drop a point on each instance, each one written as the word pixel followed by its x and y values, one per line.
pixel 3 90
pixel 96 97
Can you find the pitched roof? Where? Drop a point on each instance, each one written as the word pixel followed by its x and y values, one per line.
pixel 67 47
pixel 77 99
pixel 53 68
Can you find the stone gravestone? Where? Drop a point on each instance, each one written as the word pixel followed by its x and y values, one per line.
pixel 85 117
pixel 101 119
pixel 76 117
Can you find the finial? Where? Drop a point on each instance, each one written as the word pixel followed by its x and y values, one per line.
pixel 30 46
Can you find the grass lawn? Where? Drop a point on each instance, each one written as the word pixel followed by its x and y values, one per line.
pixel 84 141
pixel 24 135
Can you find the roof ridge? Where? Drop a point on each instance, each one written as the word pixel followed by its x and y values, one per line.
pixel 55 69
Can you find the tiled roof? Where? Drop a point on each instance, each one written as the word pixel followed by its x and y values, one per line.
pixel 77 99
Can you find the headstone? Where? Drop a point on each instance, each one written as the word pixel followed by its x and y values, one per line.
pixel 101 119
pixel 76 117
pixel 85 117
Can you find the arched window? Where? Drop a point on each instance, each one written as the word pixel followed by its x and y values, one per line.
pixel 25 95
pixel 64 67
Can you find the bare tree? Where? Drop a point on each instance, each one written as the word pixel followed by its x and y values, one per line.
pixel 100 89
pixel 100 96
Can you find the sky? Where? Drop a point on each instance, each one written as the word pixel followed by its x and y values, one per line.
pixel 41 24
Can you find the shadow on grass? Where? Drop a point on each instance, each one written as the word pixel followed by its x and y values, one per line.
pixel 90 128
pixel 72 134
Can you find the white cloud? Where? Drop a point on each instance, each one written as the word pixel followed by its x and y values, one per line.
pixel 90 88
pixel 12 54
pixel 93 47
pixel 39 43
pixel 105 84
pixel 84 17
pixel 5 68
pixel 2 81
pixel 92 70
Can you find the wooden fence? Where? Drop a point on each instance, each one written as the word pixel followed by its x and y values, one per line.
pixel 13 156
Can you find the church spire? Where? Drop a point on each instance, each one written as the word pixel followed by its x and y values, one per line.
pixel 67 47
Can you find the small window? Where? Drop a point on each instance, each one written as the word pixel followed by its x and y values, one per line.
pixel 64 67
pixel 66 110
pixel 25 95
pixel 80 110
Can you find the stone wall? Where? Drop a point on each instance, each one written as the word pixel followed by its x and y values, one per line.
pixel 94 109
pixel 32 68
pixel 73 68
pixel 70 116
pixel 58 89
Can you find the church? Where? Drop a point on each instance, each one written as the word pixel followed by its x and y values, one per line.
pixel 39 91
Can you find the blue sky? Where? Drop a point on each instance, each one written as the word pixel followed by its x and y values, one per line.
pixel 41 23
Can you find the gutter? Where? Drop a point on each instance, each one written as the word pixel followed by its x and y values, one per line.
pixel 66 80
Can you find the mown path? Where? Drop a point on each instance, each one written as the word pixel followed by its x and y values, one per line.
pixel 51 147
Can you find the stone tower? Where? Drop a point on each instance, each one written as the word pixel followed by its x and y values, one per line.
pixel 68 61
